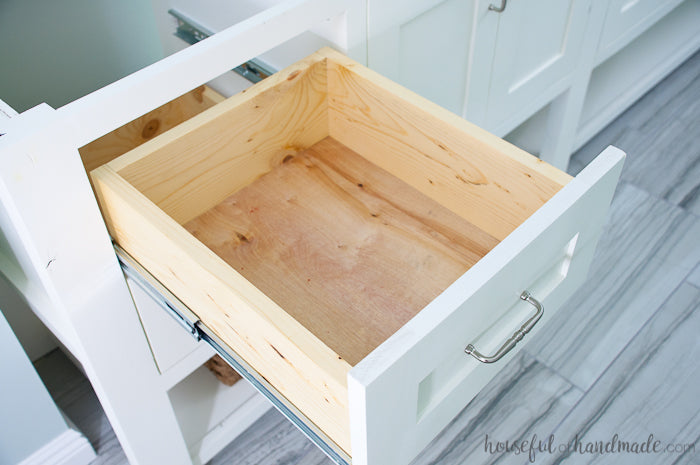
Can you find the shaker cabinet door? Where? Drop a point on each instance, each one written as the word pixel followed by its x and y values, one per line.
pixel 535 56
pixel 424 45
pixel 492 67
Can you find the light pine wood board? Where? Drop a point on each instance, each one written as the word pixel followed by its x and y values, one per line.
pixel 492 183
pixel 193 167
pixel 148 126
pixel 627 399
pixel 348 250
pixel 196 165
pixel 647 249
pixel 289 356
pixel 283 350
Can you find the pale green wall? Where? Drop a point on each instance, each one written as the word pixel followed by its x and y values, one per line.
pixel 55 51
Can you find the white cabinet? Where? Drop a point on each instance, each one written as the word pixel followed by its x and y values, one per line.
pixel 531 71
pixel 494 68
pixel 534 57
pixel 424 45
pixel 626 19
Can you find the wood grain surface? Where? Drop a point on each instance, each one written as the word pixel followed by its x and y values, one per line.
pixel 140 130
pixel 477 175
pixel 207 158
pixel 347 249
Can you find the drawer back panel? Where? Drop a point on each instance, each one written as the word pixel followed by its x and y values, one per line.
pixel 482 178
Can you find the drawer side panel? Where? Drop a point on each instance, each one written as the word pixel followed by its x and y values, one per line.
pixel 300 366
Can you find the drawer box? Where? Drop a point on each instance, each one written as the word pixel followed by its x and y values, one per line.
pixel 348 239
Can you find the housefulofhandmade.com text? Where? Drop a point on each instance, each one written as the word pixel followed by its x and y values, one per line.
pixel 578 446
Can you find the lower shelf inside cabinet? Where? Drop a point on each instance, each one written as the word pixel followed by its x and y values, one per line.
pixel 624 77
pixel 211 414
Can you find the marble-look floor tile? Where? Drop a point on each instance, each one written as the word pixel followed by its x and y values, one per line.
pixel 694 277
pixel 525 398
pixel 651 388
pixel 647 249
pixel 660 159
pixel 272 440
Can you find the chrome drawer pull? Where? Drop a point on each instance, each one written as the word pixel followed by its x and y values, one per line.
pixel 498 9
pixel 515 338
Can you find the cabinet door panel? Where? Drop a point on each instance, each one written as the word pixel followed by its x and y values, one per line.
pixel 423 45
pixel 536 50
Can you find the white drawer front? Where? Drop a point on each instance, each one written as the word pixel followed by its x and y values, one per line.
pixel 406 391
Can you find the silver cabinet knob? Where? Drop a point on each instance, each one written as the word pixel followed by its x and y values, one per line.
pixel 498 9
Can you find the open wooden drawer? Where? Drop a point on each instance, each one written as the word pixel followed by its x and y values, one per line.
pixel 348 239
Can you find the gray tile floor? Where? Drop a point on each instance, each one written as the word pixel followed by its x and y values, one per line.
pixel 621 357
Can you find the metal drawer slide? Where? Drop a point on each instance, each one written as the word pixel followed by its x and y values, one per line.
pixel 191 323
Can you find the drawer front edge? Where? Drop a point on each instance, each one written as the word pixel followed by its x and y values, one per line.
pixel 407 390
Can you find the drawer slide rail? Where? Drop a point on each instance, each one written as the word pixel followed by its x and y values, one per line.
pixel 254 70
pixel 193 325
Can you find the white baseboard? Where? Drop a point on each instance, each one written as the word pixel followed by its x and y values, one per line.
pixel 69 448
